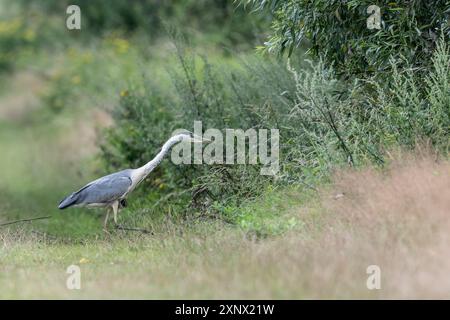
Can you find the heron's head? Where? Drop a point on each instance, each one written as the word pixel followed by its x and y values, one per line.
pixel 191 137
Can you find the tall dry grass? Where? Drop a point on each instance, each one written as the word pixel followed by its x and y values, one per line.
pixel 397 219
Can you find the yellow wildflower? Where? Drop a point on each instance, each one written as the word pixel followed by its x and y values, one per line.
pixel 83 261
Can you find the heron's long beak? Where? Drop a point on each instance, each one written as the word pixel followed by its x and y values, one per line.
pixel 197 139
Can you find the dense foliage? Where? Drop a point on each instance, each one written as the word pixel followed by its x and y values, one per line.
pixel 337 30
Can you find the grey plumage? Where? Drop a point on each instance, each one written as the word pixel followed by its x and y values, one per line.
pixel 100 192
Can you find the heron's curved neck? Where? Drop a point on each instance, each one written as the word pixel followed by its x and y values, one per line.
pixel 143 171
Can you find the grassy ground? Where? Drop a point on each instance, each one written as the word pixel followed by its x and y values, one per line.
pixel 396 220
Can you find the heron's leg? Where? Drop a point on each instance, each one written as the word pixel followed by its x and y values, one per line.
pixel 106 220
pixel 115 208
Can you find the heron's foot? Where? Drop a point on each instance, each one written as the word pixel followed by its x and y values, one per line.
pixel 106 231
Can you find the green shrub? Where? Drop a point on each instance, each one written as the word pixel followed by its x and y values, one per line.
pixel 256 94
pixel 223 96
pixel 15 35
pixel 337 31
pixel 415 108
pixel 361 125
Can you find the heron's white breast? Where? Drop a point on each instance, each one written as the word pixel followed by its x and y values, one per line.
pixel 96 205
pixel 136 177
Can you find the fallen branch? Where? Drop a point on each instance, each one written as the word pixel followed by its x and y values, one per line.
pixel 118 227
pixel 23 220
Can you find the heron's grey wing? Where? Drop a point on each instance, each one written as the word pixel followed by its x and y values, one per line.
pixel 103 190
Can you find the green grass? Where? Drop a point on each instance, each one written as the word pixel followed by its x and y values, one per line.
pixel 201 262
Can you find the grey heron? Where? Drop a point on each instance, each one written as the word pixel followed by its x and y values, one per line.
pixel 111 191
